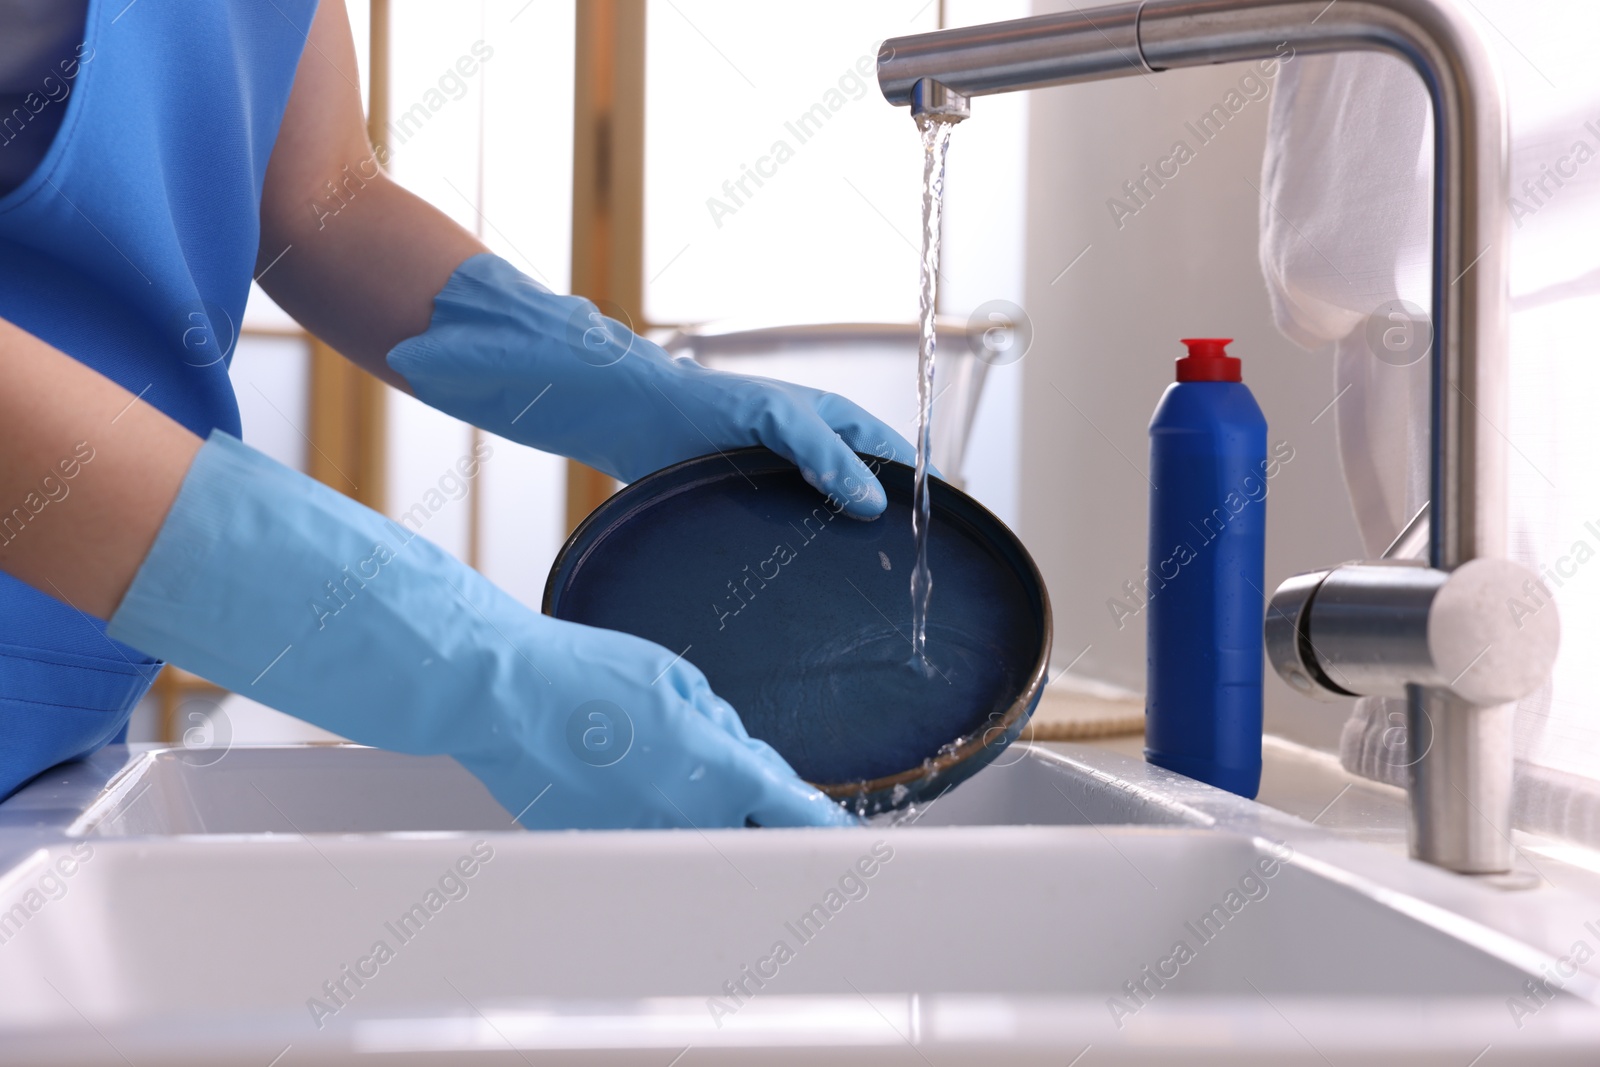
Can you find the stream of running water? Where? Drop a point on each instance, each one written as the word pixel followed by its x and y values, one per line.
pixel 935 145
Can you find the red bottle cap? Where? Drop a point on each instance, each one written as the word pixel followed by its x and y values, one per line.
pixel 1208 361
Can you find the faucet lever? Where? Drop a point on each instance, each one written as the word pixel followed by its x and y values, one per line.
pixel 1373 629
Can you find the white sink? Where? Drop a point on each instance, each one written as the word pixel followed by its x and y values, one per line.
pixel 311 789
pixel 208 904
pixel 346 789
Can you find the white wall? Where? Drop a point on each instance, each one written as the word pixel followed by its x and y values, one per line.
pixel 829 235
pixel 1106 333
pixel 985 234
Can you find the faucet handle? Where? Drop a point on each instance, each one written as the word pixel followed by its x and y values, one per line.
pixel 1487 631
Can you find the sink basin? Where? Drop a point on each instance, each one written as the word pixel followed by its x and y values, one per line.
pixel 314 789
pixel 347 789
pixel 233 912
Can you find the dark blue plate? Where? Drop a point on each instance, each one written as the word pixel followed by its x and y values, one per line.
pixel 800 617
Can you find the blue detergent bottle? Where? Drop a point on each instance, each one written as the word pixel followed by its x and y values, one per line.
pixel 1208 525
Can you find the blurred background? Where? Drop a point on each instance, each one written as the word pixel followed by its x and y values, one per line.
pixel 600 147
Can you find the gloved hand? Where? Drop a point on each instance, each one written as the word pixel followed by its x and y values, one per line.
pixel 506 354
pixel 272 585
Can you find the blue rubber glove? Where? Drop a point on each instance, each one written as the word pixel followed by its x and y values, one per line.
pixel 272 585
pixel 549 371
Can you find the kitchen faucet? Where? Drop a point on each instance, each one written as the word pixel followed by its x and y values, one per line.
pixel 1440 633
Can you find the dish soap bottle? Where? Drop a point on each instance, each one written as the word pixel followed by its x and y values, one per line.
pixel 1208 524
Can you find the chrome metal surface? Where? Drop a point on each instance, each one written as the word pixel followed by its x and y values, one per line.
pixel 1287 633
pixel 1455 793
pixel 1412 542
pixel 1002 57
pixel 930 99
pixel 1368 626
pixel 1452 645
pixel 1377 629
pixel 1459 777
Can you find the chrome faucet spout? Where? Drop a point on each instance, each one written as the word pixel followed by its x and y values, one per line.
pixel 1460 761
pixel 933 100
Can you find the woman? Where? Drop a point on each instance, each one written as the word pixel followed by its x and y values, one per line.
pixel 154 157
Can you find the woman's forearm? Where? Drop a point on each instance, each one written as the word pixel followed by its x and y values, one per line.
pixel 88 473
pixel 354 257
pixel 366 280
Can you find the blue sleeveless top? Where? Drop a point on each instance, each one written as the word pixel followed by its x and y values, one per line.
pixel 130 247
